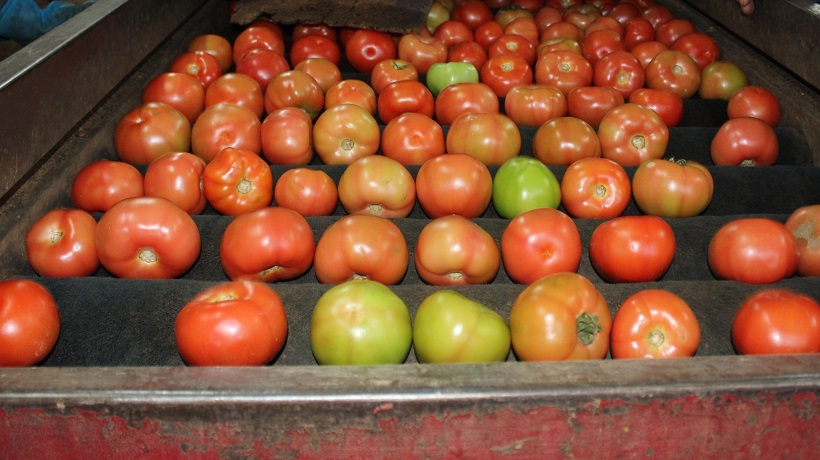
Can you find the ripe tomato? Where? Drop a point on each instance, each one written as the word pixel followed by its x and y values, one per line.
pixel 558 318
pixel 667 104
pixel 623 12
pixel 654 323
pixel 513 45
pixel 720 80
pixel 453 250
pixel 657 15
pixel 645 52
pixel 302 30
pixel 755 102
pixel 505 71
pixel 179 90
pixel 365 48
pixel 804 223
pixel 225 125
pixel 631 133
pixel 204 66
pixel 745 141
pixel 29 323
pixel 314 46
pixel 177 177
pixel 539 243
pixel 263 65
pixel 563 140
pixel 506 14
pixel 379 186
pixel 605 23
pixel 239 323
pixel 674 71
pixel 238 89
pixel 103 183
pixel 753 250
pixel 353 91
pixel 777 321
pixel 295 88
pixel 620 70
pixel 287 137
pixel 473 13
pixel 701 47
pixel 546 16
pixel 406 96
pixel 534 105
pixel 487 33
pixel 257 36
pixel 391 70
pixel 60 244
pixel 147 238
pixel 451 33
pixel 670 31
pixel 455 183
pixel 216 45
pixel 308 191
pixel 582 15
pixel 361 247
pixel 421 51
pixel 563 69
pixel 492 138
pixel 150 131
pixel 462 98
pixel 632 249
pixel 636 31
pixel 345 133
pixel 600 43
pixel 412 138
pixel 325 72
pixel 237 181
pixel 591 103
pixel 595 188
pixel 672 188
pixel 562 29
pixel 267 245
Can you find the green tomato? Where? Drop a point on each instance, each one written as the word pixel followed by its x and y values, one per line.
pixel 452 328
pixel 522 184
pixel 443 74
pixel 360 322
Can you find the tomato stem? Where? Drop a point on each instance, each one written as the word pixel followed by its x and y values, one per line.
pixel 347 144
pixel 587 327
pixel 639 141
pixel 55 236
pixel 656 338
pixel 244 186
pixel 147 256
pixel 599 191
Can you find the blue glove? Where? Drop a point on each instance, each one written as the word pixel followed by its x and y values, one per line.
pixel 23 21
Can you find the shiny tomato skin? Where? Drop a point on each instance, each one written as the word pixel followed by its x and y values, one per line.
pixel 453 250
pixel 563 69
pixel 473 13
pixel 620 70
pixel 591 103
pixel 391 70
pixel 257 36
pixel 667 104
pixel 563 140
pixel 462 98
pixel 534 105
pixel 238 89
pixel 631 133
pixel 295 88
pixel 302 30
pixel 181 91
pixel 777 321
pixel 267 245
pixel 804 223
pixel 263 65
pixel 487 33
pixel 455 183
pixel 29 323
pixel 645 52
pixel 560 317
pixel 150 131
pixel 238 323
pixel 595 188
pixel 361 247
pixel 60 244
pixel 600 43
pixel 103 183
pixel 147 238
pixel 720 80
pixel 756 102
pixel 325 72
pixel 539 243
pixel 216 45
pixel 237 181
pixel 314 46
pixel 632 249
pixel 673 29
pixel 308 191
pixel 366 48
pixel 353 91
pixel 745 141
pixel 654 323
pixel 345 133
pixel 412 138
pixel 669 188
pixel 204 66
pixel 513 45
pixel 421 51
pixel 753 250
pixel 638 30
pixel 702 48
pixel 452 32
pixel 492 138
pixel 287 137
pixel 379 186
pixel 675 71
pixel 503 72
pixel 657 15
pixel 177 176
pixel 225 125
pixel 523 183
pixel 562 29
pixel 403 97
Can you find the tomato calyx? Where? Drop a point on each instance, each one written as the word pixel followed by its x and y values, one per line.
pixel 375 209
pixel 55 236
pixel 347 144
pixel 587 327
pixel 680 161
pixel 147 256
pixel 678 70
pixel 398 66
pixel 748 162
pixel 638 141
pixel 656 338
pixel 599 191
pixel 244 186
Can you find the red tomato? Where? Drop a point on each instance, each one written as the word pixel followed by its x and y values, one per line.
pixel 755 102
pixel 638 30
pixel 150 131
pixel 753 250
pixel 563 140
pixel 582 14
pixel 345 133
pixel 559 318
pixel 199 64
pixel 255 37
pixel 777 321
pixel 237 181
pixel 412 138
pixel 534 105
pixel 225 125
pixel 506 14
pixel 473 13
pixel 453 250
pixel 645 52
pixel 487 33
pixel 147 238
pixel 352 91
pixel 389 71
pixel 325 72
pixel 546 16
pixel 287 137
pixel 672 188
pixel 491 138
pixel 267 245
pixel 591 103
pixel 595 188
pixel 632 249
pixel 455 183
pixel 503 72
pixel 295 88
pixel 263 65
pixel 804 223
pixel 600 43
pixel 29 323
pixel 177 177
pixel 452 33
pixel 654 323
pixel 60 244
pixel 539 243
pixel 746 142
pixel 605 23
pixel 620 70
pixel 667 104
pixel 702 48
pixel 463 98
pixel 421 51
pixel 238 89
pixel 308 191
pixel 216 45
pixel 240 323
pixel 361 247
pixel 562 30
pixel 674 71
pixel 379 186
pixel 315 46
pixel 181 91
pixel 631 133
pixel 513 45
pixel 563 69
pixel 324 30
pixel 365 48
pixel 557 44
pixel 720 80
pixel 406 96
pixel 525 27
pixel 657 15
pixel 623 12
pixel 102 184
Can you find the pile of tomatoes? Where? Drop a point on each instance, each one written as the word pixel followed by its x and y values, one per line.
pixel 434 118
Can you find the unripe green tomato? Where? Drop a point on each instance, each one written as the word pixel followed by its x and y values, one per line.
pixel 522 184
pixel 360 322
pixel 443 74
pixel 452 328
